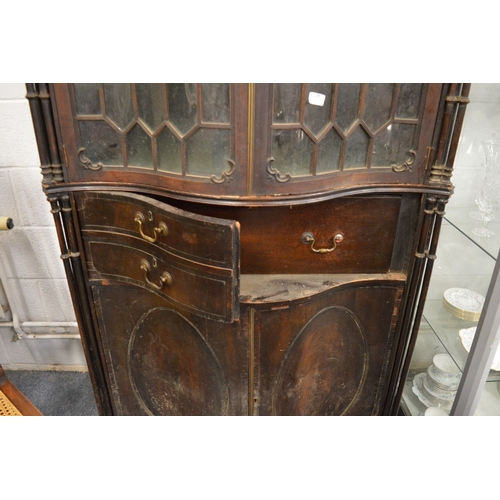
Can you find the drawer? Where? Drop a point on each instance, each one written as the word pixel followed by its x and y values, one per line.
pixel 272 238
pixel 187 235
pixel 202 290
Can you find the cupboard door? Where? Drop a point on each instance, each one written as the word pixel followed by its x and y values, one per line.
pixel 327 356
pixel 312 137
pixel 162 361
pixel 190 137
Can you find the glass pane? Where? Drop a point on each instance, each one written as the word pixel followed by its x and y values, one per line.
pixel 149 99
pixel 392 146
pixel 182 106
pixel 292 151
pixel 139 148
pixel 357 149
pixel 169 152
pixel 215 102
pixel 317 117
pixel 378 104
pixel 118 100
pixel 208 152
pixel 87 98
pixel 101 142
pixel 286 102
pixel 347 104
pixel 329 153
pixel 409 100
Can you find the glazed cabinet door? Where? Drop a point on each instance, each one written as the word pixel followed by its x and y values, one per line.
pixel 190 137
pixel 246 140
pixel 164 283
pixel 330 355
pixel 311 137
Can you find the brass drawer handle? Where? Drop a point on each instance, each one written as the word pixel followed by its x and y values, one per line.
pixel 165 278
pixel 308 238
pixel 160 230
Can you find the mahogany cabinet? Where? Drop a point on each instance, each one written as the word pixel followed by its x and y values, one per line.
pixel 248 249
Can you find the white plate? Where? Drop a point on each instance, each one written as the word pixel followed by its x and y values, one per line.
pixel 467 336
pixel 466 301
pixel 417 389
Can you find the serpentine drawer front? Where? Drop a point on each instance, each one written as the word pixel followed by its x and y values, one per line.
pixel 197 238
pixel 174 258
pixel 354 234
pixel 206 292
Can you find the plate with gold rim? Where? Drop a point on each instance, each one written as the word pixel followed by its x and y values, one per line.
pixel 463 303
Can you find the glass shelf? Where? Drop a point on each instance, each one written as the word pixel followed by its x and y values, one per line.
pixel 428 345
pixel 463 222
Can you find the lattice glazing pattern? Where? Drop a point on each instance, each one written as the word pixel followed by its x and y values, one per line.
pixel 323 127
pixel 179 128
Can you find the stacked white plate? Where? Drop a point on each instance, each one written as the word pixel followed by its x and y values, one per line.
pixel 438 386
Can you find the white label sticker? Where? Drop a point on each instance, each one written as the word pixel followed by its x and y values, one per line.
pixel 316 99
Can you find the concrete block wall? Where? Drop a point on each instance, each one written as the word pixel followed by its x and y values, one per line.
pixel 29 253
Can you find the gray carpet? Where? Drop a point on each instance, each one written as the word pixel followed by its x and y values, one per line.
pixel 56 393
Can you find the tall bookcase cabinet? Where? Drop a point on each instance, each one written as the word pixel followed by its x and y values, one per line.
pixel 248 249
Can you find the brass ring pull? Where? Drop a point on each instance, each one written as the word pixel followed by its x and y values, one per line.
pixel 165 278
pixel 308 238
pixel 160 230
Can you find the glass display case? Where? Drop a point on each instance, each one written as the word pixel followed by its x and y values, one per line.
pixel 465 261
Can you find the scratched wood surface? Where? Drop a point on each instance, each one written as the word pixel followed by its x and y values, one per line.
pixel 329 355
pixel 283 288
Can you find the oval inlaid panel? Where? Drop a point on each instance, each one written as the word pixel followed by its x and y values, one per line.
pixel 172 368
pixel 324 369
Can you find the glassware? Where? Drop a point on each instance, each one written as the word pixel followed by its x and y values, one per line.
pixel 488 198
pixel 485 205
